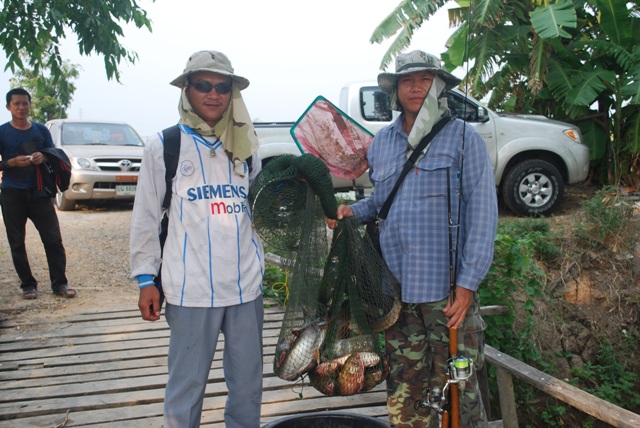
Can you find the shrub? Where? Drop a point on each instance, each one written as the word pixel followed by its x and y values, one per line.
pixel 606 223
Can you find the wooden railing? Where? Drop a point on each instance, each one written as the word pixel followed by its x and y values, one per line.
pixel 507 367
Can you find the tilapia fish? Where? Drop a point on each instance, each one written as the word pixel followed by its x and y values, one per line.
pixel 349 374
pixel 301 353
pixel 323 376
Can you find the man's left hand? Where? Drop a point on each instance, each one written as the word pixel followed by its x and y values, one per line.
pixel 458 311
pixel 37 158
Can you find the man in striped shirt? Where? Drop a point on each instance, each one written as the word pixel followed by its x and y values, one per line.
pixel 213 259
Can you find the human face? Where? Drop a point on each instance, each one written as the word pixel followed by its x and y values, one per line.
pixel 209 106
pixel 19 107
pixel 413 89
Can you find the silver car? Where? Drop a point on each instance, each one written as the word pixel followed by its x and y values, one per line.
pixel 105 160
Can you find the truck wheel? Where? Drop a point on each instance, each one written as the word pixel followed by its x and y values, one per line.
pixel 63 203
pixel 532 188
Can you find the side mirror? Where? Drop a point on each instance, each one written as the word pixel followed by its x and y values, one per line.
pixel 483 115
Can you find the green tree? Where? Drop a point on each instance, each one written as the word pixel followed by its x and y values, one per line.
pixel 577 61
pixel 39 26
pixel 50 98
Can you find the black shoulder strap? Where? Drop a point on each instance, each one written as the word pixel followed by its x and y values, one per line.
pixel 171 138
pixel 417 152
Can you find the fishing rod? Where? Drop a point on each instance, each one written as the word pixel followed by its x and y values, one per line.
pixel 446 400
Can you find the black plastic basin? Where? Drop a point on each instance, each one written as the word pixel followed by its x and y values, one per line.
pixel 328 420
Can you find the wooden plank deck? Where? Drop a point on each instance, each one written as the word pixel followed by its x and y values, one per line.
pixel 108 368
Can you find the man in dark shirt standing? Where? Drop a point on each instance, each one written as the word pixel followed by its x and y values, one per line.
pixel 21 145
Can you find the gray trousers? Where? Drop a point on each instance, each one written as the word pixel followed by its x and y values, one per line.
pixel 192 345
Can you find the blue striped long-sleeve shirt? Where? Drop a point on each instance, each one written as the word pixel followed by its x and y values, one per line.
pixel 415 236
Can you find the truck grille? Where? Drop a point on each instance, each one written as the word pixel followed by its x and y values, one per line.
pixel 118 164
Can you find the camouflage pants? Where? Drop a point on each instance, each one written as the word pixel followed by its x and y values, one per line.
pixel 418 350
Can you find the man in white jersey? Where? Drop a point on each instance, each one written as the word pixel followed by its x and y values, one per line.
pixel 213 260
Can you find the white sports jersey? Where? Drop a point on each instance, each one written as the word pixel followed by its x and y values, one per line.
pixel 213 256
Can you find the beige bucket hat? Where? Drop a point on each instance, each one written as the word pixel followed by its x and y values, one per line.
pixel 410 63
pixel 213 61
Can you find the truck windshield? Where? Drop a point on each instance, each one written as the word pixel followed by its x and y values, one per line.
pixel 108 134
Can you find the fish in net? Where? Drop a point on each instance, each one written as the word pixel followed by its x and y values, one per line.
pixel 342 295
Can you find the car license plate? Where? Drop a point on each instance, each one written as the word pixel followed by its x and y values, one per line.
pixel 126 190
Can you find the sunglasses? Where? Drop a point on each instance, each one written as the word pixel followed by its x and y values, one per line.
pixel 206 87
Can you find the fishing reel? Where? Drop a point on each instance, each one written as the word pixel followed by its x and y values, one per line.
pixel 435 399
pixel 459 371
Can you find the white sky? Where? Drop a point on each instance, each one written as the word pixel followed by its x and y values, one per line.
pixel 291 51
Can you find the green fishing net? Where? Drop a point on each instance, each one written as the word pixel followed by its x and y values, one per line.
pixel 342 295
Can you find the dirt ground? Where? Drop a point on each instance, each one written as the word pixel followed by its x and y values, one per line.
pixel 96 240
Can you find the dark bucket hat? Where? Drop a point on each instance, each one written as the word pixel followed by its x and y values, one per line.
pixel 410 63
pixel 213 61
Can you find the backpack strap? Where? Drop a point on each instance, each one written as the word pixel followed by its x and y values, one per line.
pixel 171 137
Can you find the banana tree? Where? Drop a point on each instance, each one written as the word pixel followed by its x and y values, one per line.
pixel 570 60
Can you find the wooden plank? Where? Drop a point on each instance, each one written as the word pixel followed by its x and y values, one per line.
pixel 83 324
pixel 112 417
pixel 111 394
pixel 133 379
pixel 594 406
pixel 27 345
pixel 94 336
pixel 90 329
pixel 97 375
pixel 95 352
pixel 64 330
pixel 507 398
pixel 51 373
pixel 279 402
pixel 85 344
pixel 58 374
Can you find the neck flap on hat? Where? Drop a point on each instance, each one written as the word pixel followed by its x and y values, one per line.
pixel 235 129
pixel 431 111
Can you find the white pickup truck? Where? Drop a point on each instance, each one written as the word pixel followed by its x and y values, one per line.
pixel 533 157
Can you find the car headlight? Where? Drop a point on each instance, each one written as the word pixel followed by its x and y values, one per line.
pixel 82 163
